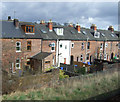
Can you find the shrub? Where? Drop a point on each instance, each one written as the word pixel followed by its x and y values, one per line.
pixel 81 70
pixel 61 75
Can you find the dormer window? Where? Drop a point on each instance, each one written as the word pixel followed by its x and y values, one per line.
pixel 28 29
pixel 96 34
pixel 59 31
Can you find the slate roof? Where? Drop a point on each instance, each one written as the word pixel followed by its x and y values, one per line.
pixel 70 33
pixel 41 55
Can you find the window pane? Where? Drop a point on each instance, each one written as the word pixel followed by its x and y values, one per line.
pixel 17 65
pixel 29 29
pixel 18 44
pixel 17 61
pixel 53 48
pixel 18 48
pixel 28 47
pixel 32 29
pixel 29 42
pixel 26 28
pixel 60 45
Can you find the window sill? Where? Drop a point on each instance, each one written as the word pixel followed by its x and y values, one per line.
pixel 18 68
pixel 18 51
pixel 52 50
pixel 28 50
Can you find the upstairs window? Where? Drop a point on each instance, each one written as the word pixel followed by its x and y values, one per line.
pixel 101 46
pixel 82 47
pixel 18 63
pixel 18 46
pixel 53 47
pixel 72 45
pixel 29 29
pixel 65 46
pixel 28 45
pixel 88 45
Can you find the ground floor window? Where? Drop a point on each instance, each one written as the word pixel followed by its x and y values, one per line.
pixel 87 57
pixel 18 63
pixel 81 58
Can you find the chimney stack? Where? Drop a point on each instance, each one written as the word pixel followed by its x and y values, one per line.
pixel 16 23
pixel 78 27
pixel 70 25
pixel 9 18
pixel 50 25
pixel 42 22
pixel 94 27
pixel 111 28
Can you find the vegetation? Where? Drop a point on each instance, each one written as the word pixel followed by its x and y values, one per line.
pixel 76 88
pixel 61 75
pixel 81 70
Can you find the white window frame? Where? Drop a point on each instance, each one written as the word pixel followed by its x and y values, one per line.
pixel 52 45
pixel 82 46
pixel 17 63
pixel 72 44
pixel 97 34
pixel 81 57
pixel 18 46
pixel 106 44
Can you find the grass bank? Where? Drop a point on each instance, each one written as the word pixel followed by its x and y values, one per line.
pixel 76 88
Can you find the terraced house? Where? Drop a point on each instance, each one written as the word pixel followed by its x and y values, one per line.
pixel 41 45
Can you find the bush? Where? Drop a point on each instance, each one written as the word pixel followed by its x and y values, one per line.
pixel 61 75
pixel 81 70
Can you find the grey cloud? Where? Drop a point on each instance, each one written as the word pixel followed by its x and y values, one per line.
pixel 100 13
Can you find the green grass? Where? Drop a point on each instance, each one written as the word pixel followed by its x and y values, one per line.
pixel 71 89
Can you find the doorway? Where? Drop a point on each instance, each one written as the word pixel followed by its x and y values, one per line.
pixel 71 59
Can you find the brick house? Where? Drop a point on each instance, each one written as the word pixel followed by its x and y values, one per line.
pixel 41 46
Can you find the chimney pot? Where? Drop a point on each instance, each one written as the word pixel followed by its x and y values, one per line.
pixel 16 23
pixel 42 22
pixel 111 28
pixel 9 18
pixel 70 25
pixel 50 25
pixel 78 27
pixel 94 27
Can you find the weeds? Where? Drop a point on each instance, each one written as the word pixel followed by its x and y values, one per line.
pixel 72 88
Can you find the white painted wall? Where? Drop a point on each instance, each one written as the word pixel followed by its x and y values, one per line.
pixel 64 51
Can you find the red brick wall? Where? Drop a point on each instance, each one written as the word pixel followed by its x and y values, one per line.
pixel 9 54
pixel 76 51
pixel 46 48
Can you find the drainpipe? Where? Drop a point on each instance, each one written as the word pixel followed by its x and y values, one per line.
pixel 57 53
pixel 86 50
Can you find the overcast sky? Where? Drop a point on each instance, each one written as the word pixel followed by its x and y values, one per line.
pixel 102 14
